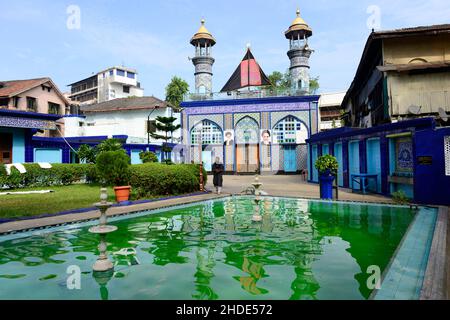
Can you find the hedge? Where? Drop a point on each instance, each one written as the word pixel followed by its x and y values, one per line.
pixel 59 174
pixel 151 179
pixel 146 179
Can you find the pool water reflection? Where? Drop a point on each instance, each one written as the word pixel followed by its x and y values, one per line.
pixel 212 250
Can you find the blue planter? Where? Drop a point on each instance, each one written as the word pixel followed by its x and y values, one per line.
pixel 326 185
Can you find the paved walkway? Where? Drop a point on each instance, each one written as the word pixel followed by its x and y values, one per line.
pixel 291 186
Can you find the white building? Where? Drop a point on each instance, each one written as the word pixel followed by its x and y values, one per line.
pixel 330 110
pixel 112 83
pixel 124 116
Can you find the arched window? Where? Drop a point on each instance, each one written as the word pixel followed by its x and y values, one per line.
pixel 247 130
pixel 290 130
pixel 210 133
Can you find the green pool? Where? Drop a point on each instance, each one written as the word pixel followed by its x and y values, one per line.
pixel 212 250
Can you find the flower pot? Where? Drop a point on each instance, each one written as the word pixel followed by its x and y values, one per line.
pixel 122 193
pixel 326 185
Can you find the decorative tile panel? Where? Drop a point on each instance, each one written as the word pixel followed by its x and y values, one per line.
pixel 228 121
pixel 447 155
pixel 14 122
pixel 302 156
pixel 217 118
pixel 260 107
pixel 278 116
pixel 238 117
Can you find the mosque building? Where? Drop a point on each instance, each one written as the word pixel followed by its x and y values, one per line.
pixel 249 125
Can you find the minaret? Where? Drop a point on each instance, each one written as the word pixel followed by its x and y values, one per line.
pixel 299 54
pixel 203 41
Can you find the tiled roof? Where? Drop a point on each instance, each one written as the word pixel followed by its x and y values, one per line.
pixel 123 104
pixel 15 87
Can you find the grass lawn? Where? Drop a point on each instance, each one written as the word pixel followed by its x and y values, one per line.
pixel 62 199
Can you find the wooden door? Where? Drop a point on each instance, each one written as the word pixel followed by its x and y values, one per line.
pixel 6 148
pixel 247 158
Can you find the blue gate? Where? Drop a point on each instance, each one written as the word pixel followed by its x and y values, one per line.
pixel 353 159
pixel 314 173
pixel 374 162
pixel 135 159
pixel 290 159
pixel 49 155
pixel 338 155
pixel 325 149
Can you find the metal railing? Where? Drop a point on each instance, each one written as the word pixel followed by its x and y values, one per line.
pixel 244 94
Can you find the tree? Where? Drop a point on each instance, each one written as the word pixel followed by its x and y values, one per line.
pixel 282 81
pixel 175 92
pixel 86 153
pixel 109 145
pixel 314 85
pixel 89 154
pixel 166 125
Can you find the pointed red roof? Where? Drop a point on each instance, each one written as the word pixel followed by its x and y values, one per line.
pixel 247 74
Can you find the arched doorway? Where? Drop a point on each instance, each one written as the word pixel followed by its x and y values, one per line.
pixel 289 133
pixel 247 145
pixel 209 135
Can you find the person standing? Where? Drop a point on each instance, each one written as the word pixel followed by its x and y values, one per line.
pixel 218 170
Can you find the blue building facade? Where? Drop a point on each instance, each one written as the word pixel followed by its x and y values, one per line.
pixel 250 135
pixel 20 144
pixel 16 133
pixel 61 150
pixel 412 156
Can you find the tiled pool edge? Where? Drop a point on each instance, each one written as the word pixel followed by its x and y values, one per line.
pixel 436 282
pixel 73 219
pixel 405 276
pixel 88 209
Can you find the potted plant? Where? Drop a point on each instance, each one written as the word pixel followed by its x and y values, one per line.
pixel 327 166
pixel 113 169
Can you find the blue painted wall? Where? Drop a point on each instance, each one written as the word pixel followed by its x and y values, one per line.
pixel 377 154
pixel 431 184
pixel 18 147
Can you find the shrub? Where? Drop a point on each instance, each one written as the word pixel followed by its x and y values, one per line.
pixel 113 167
pixel 327 163
pixel 59 174
pixel 148 156
pixel 400 197
pixel 151 179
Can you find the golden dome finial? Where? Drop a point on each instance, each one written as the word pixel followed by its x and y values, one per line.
pixel 202 35
pixel 298 27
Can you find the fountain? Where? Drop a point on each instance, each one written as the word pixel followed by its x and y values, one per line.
pixel 103 263
pixel 257 185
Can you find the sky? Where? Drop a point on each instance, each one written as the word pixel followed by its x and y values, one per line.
pixel 41 39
